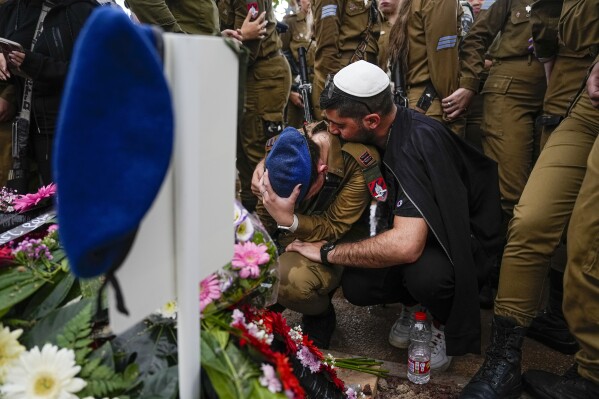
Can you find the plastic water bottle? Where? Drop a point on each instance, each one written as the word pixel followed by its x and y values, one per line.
pixel 419 352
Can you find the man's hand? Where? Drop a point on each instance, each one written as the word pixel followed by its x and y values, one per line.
pixel 310 250
pixel 281 209
pixel 255 29
pixel 257 179
pixel 233 34
pixel 457 102
pixel 593 86
pixel 296 98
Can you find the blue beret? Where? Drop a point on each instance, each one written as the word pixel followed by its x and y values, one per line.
pixel 289 164
pixel 114 140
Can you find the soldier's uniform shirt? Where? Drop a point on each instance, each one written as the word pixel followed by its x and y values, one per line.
pixel 569 68
pixel 383 57
pixel 513 92
pixel 179 16
pixel 305 285
pixel 340 26
pixel 434 29
pixel 268 81
pixel 564 179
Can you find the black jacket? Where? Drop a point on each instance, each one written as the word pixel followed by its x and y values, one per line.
pixel 48 63
pixel 456 190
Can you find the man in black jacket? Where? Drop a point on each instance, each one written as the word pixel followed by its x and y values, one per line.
pixel 46 64
pixel 444 199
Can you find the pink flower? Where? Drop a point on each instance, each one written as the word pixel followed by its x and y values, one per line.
pixel 27 201
pixel 248 257
pixel 309 359
pixel 209 290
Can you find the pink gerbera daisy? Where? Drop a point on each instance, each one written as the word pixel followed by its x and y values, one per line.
pixel 248 257
pixel 209 290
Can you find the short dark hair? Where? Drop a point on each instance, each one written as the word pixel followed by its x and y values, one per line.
pixel 349 106
pixel 314 150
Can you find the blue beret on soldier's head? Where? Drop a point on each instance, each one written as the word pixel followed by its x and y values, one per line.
pixel 113 142
pixel 289 164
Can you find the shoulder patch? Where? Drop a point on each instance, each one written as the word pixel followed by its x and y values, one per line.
pixel 329 11
pixel 366 158
pixel 447 42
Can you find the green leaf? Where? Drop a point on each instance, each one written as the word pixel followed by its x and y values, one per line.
pixel 16 286
pixel 162 385
pixel 260 392
pixel 49 297
pixel 48 328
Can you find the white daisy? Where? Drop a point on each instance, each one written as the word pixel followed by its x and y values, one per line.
pixel 46 374
pixel 10 349
pixel 168 310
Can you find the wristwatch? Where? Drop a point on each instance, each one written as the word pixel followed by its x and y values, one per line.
pixel 324 252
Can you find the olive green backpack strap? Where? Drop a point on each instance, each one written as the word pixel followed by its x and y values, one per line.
pixel 368 159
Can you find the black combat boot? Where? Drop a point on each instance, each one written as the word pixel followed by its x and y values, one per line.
pixel 319 328
pixel 545 385
pixel 549 327
pixel 499 376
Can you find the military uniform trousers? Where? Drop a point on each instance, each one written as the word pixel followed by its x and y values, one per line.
pixel 513 99
pixel 581 281
pixel 435 111
pixel 5 151
pixel 541 217
pixel 266 92
pixel 305 286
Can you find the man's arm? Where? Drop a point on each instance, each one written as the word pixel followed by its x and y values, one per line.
pixel 404 243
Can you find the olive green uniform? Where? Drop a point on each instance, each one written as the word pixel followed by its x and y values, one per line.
pixel 179 16
pixel 434 29
pixel 569 67
pixel 305 285
pixel 340 27
pixel 267 86
pixel 546 204
pixel 298 35
pixel 513 92
pixel 7 92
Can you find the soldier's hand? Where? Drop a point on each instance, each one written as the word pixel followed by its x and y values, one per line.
pixel 281 209
pixel 296 99
pixel 255 29
pixel 4 73
pixel 257 179
pixel 457 102
pixel 310 250
pixel 593 86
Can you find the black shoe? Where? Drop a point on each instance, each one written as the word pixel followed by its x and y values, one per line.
pixel 499 376
pixel 545 385
pixel 551 330
pixel 320 328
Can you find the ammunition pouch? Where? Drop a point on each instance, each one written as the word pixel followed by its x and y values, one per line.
pixel 549 120
pixel 426 99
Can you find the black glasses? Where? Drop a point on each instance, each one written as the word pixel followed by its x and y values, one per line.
pixel 331 91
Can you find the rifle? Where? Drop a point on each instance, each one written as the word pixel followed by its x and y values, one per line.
pixel 305 87
pixel 399 94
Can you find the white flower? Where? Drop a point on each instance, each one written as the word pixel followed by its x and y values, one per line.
pixel 46 374
pixel 269 378
pixel 245 230
pixel 240 214
pixel 169 310
pixel 10 349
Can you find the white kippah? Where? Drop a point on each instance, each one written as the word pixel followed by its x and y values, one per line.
pixel 361 79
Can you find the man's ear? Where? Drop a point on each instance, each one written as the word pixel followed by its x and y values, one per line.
pixel 371 121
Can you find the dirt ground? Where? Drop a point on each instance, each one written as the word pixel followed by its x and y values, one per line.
pixel 399 388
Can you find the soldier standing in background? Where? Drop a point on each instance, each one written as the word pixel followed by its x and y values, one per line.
pixel 424 44
pixel 299 34
pixel 180 16
pixel 345 31
pixel 389 9
pixel 268 81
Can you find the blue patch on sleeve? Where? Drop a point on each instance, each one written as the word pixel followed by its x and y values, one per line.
pixel 329 11
pixel 447 42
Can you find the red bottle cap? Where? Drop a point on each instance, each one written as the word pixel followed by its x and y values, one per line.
pixel 420 315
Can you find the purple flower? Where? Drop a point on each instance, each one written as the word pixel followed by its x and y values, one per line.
pixel 269 379
pixel 309 359
pixel 351 394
